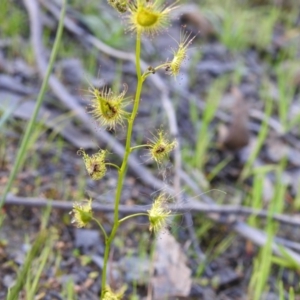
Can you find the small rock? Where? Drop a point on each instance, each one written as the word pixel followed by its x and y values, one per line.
pixel 86 238
pixel 139 269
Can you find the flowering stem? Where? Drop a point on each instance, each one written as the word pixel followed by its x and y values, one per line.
pixel 101 227
pixel 123 168
pixel 132 216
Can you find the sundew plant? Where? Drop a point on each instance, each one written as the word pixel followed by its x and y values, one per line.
pixel 145 18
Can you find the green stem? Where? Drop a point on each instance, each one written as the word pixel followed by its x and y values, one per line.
pixel 132 216
pixel 31 124
pixel 101 227
pixel 147 73
pixel 139 146
pixel 123 168
pixel 113 165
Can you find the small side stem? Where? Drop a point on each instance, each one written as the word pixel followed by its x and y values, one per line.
pixel 113 165
pixel 147 73
pixel 123 168
pixel 139 146
pixel 101 227
pixel 132 216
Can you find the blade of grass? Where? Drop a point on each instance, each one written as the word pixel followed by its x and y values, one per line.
pixel 70 290
pixel 41 265
pixel 286 91
pixel 261 270
pixel 280 190
pixel 291 293
pixel 260 140
pixel 32 254
pixel 23 147
pixel 212 103
pixel 265 259
pixel 288 258
pixel 256 202
pixel 7 112
pixel 281 291
pixel 217 169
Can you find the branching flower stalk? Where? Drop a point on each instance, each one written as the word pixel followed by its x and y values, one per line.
pixel 145 17
pixel 123 168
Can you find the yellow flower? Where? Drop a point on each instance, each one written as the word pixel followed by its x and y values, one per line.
pixel 107 107
pixel 148 16
pixel 110 295
pixel 160 147
pixel 82 213
pixel 94 164
pixel 179 55
pixel 158 214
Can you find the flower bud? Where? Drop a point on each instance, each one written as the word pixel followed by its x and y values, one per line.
pixel 82 213
pixel 108 107
pixel 158 214
pixel 160 147
pixel 179 55
pixel 94 164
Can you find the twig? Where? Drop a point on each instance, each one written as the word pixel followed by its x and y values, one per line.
pixel 203 208
pixel 237 211
pixel 259 238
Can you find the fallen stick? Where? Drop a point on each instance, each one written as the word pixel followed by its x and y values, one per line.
pixel 238 212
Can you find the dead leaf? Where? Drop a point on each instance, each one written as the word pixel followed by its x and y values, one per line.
pixel 236 135
pixel 191 15
pixel 172 276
